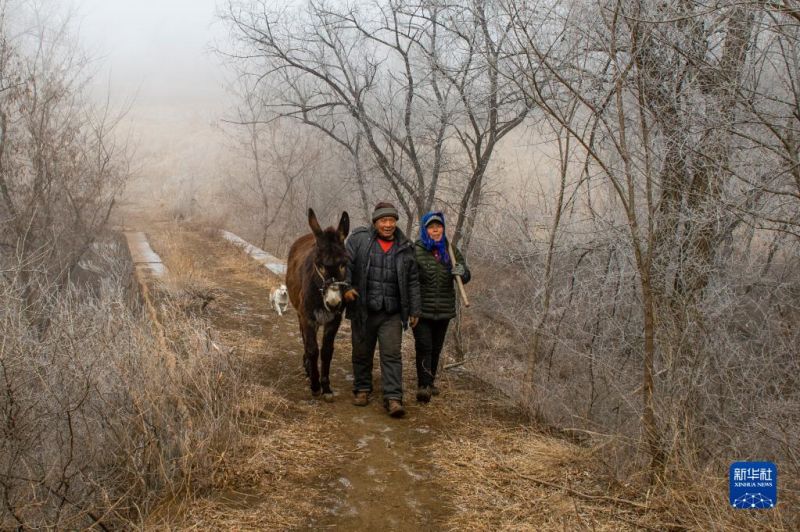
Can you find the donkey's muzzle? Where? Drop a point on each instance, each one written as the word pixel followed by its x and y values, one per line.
pixel 332 296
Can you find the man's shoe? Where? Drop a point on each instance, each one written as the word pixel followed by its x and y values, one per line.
pixel 435 390
pixel 395 408
pixel 424 394
pixel 361 398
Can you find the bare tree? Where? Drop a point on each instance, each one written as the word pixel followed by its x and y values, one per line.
pixel 60 166
pixel 94 427
pixel 277 160
pixel 417 85
pixel 685 116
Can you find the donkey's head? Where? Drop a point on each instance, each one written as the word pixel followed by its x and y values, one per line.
pixel 330 258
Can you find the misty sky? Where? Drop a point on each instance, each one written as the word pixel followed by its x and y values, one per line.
pixel 156 50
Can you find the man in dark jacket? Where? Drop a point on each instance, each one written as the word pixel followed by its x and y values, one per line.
pixel 383 272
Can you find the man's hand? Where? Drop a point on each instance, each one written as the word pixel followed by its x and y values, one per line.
pixel 413 320
pixel 459 270
pixel 350 296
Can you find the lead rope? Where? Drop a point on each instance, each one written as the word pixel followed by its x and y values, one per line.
pixel 322 288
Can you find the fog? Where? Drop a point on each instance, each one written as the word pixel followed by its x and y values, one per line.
pixel 155 59
pixel 157 49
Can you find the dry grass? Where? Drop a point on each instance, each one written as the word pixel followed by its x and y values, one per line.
pixel 188 280
pixel 268 484
pixel 516 478
pixel 102 422
pixel 272 479
pixel 724 392
pixel 699 501
pixel 508 478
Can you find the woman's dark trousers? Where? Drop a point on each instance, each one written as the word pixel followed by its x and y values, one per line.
pixel 428 340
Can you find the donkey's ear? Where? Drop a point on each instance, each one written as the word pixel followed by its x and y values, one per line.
pixel 344 226
pixel 313 223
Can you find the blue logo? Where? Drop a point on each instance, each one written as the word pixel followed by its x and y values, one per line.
pixel 753 485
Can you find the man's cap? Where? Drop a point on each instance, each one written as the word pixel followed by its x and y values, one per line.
pixel 383 209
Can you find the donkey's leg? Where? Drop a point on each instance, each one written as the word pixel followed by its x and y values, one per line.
pixel 311 355
pixel 306 361
pixel 326 353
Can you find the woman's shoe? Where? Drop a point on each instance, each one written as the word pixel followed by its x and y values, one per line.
pixel 424 394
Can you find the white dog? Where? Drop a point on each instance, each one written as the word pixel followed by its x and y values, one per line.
pixel 280 299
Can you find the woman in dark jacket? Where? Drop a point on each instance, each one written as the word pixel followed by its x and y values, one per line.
pixel 437 287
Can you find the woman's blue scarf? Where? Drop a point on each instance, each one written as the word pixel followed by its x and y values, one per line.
pixel 430 244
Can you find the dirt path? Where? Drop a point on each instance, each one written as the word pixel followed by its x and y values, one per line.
pixel 465 459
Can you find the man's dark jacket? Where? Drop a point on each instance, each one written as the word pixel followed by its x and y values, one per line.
pixel 382 279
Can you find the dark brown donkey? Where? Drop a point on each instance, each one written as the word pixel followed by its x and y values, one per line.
pixel 315 279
